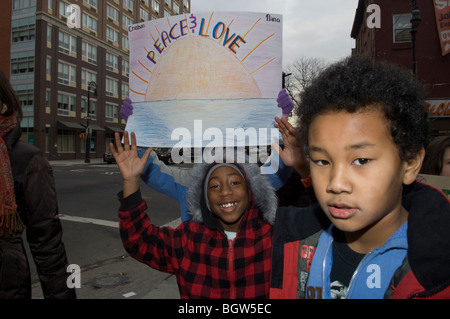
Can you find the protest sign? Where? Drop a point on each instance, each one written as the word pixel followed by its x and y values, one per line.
pixel 205 79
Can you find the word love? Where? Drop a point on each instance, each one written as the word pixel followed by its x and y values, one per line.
pixel 220 31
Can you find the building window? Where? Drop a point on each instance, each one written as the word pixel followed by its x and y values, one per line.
pixel 112 87
pixel 26 98
pixel 112 13
pixel 112 62
pixel 168 3
pixel 23 33
pixel 144 14
pixel 125 42
pixel 66 104
pixel 111 112
pixel 67 74
pixel 186 4
pixel 49 34
pixel 89 52
pixel 93 3
pixel 48 68
pixel 48 94
pixel 21 4
pixel 176 8
pixel 86 77
pixel 126 21
pixel 67 43
pixel 155 7
pixel 125 90
pixel 90 22
pixel 112 35
pixel 128 4
pixel 63 8
pixel 66 141
pixel 402 27
pixel 92 108
pixel 125 68
pixel 22 65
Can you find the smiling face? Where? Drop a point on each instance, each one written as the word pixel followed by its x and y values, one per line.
pixel 357 175
pixel 228 197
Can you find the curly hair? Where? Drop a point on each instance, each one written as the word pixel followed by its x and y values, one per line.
pixel 357 83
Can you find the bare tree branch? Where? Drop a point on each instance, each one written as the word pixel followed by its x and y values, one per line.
pixel 303 71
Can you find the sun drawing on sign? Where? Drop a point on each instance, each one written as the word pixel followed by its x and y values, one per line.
pixel 201 67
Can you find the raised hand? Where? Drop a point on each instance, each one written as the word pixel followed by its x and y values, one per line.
pixel 292 154
pixel 128 161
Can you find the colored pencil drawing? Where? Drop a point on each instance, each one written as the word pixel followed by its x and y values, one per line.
pixel 223 69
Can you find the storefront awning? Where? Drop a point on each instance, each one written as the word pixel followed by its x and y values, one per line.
pixel 70 125
pixel 114 129
pixel 96 127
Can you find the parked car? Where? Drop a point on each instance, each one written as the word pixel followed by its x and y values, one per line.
pixel 108 158
pixel 164 155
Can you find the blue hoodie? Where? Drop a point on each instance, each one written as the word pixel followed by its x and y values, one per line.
pixel 373 274
pixel 174 181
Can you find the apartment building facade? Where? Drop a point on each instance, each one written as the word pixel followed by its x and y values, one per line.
pixel 390 39
pixel 66 53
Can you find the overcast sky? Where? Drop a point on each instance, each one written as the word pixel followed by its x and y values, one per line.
pixel 311 28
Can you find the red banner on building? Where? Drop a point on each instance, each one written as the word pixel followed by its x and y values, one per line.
pixel 442 10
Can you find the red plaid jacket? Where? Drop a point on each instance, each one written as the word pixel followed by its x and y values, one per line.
pixel 205 263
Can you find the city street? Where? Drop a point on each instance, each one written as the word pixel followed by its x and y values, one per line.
pixel 88 205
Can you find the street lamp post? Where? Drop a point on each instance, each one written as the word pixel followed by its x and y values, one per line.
pixel 415 21
pixel 92 85
pixel 283 82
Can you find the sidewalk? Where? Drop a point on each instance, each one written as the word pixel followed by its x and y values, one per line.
pixel 93 161
pixel 121 278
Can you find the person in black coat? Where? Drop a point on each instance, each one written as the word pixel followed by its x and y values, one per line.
pixel 28 202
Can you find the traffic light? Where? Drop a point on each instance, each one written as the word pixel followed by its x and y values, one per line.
pixel 83 136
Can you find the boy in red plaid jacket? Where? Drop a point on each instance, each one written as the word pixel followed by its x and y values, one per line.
pixel 225 251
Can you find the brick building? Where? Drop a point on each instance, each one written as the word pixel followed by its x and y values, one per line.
pixel 53 61
pixel 391 40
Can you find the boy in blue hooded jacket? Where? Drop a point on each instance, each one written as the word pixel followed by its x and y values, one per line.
pixel 375 232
